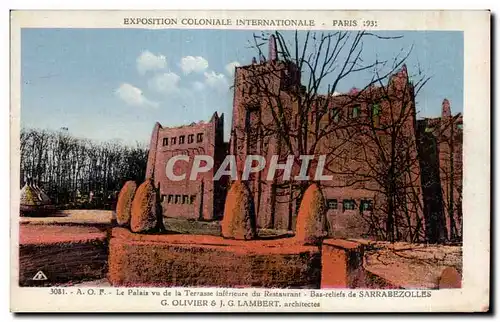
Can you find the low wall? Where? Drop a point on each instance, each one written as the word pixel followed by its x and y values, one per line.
pixel 65 254
pixel 342 264
pixel 413 266
pixel 201 260
pixel 382 265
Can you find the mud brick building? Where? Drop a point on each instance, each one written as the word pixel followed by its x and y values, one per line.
pixel 260 90
pixel 366 135
pixel 202 199
pixel 357 131
pixel 441 149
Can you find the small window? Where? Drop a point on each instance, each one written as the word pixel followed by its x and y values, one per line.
pixel 178 199
pixel 355 111
pixel 336 118
pixel 181 139
pixel 349 204
pixel 334 115
pixel 375 112
pixel 199 137
pixel 191 199
pixel 185 199
pixel 173 140
pixel 366 205
pixel 332 204
pixel 190 138
pixel 165 141
pixel 170 199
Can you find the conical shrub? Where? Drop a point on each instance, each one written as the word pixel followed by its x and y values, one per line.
pixel 239 213
pixel 144 208
pixel 124 203
pixel 311 219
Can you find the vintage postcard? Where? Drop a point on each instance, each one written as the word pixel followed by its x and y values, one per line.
pixel 250 161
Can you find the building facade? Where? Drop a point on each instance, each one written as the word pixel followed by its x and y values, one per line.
pixel 441 149
pixel 201 199
pixel 366 135
pixel 386 175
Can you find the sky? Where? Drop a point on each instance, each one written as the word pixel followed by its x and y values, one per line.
pixel 114 84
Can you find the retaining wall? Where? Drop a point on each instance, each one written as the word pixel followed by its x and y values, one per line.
pixel 202 260
pixel 65 254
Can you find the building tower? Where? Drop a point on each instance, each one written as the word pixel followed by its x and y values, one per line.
pixel 273 55
pixel 446 109
pixel 255 85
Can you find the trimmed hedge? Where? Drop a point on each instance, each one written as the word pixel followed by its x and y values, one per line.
pixel 124 203
pixel 311 219
pixel 239 220
pixel 144 208
pixel 166 260
pixel 66 254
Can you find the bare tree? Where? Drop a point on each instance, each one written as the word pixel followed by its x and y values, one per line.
pixel 384 157
pixel 449 139
pixel 292 105
pixel 69 168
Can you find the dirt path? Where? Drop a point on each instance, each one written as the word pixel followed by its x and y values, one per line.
pixel 411 265
pixel 82 217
